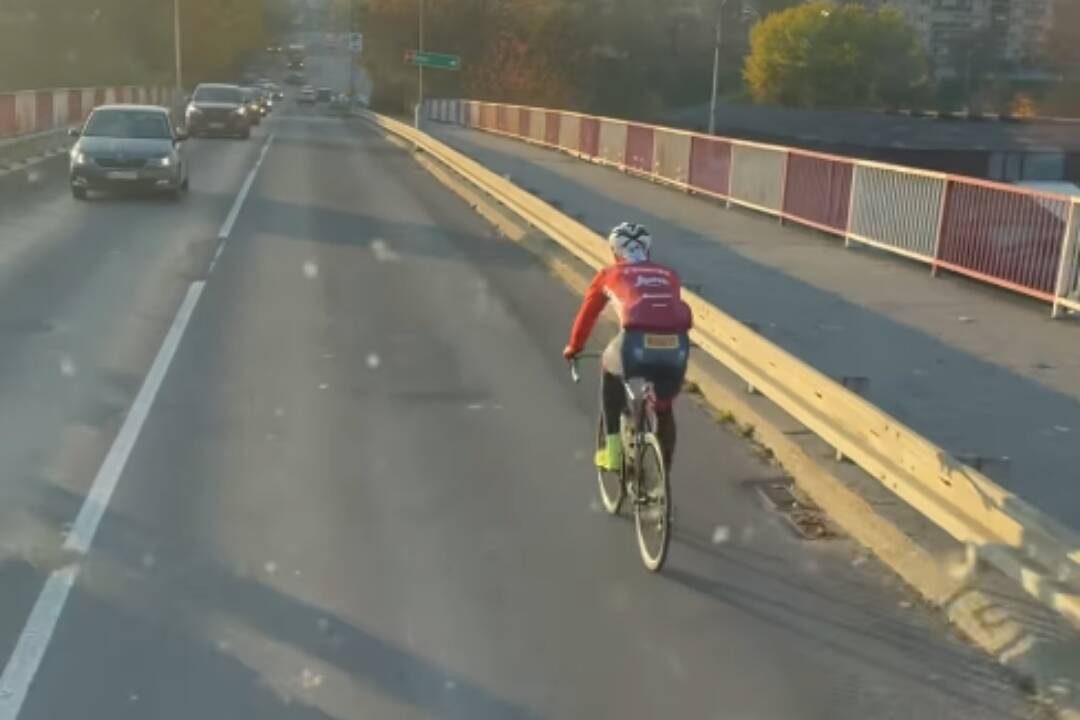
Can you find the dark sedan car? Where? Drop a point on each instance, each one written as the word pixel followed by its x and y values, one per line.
pixel 219 110
pixel 128 146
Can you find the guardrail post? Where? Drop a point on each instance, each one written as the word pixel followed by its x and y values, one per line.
pixel 940 228
pixel 1067 265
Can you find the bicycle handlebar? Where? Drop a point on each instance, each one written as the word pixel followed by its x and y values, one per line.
pixel 574 364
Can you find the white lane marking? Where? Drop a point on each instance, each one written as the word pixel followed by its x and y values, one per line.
pixel 383 252
pixel 97 501
pixel 36 635
pixel 238 204
pixel 217 254
pixel 34 640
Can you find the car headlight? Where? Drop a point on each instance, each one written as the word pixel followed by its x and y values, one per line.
pixel 192 110
pixel 78 158
pixel 241 110
pixel 162 162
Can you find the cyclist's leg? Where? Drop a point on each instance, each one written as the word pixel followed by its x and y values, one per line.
pixel 667 372
pixel 613 400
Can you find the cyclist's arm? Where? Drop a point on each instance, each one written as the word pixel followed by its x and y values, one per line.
pixel 591 307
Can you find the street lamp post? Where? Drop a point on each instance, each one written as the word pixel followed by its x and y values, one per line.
pixel 179 51
pixel 420 68
pixel 716 66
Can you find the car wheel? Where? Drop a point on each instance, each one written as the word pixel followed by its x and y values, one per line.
pixel 78 193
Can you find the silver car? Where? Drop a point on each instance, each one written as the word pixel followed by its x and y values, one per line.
pixel 128 147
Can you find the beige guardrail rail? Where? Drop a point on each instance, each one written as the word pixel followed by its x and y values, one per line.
pixel 1029 547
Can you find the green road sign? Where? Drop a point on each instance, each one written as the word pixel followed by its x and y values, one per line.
pixel 433 60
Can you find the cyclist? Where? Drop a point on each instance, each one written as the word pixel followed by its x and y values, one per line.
pixel 652 342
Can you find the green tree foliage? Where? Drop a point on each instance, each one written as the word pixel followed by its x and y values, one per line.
pixel 69 43
pixel 1061 52
pixel 627 57
pixel 826 55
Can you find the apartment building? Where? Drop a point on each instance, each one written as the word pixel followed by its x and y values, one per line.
pixel 1011 30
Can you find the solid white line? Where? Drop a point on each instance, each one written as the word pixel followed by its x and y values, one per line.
pixel 97 500
pixel 24 663
pixel 238 204
pixel 34 640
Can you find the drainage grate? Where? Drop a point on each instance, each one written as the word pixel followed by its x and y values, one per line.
pixel 805 519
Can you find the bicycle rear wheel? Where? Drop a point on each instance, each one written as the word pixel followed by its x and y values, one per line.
pixel 612 489
pixel 652 508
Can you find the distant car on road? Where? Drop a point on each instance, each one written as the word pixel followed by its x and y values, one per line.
pixel 265 98
pixel 128 146
pixel 295 78
pixel 218 110
pixel 273 88
pixel 307 95
pixel 254 105
pixel 324 95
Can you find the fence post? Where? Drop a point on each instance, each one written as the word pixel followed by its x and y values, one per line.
pixel 940 228
pixel 730 174
pixel 1066 266
pixel 851 202
pixel 783 185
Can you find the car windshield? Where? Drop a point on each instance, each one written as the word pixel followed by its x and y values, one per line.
pixel 217 95
pixel 140 124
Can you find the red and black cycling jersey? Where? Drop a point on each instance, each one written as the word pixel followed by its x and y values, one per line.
pixel 647 297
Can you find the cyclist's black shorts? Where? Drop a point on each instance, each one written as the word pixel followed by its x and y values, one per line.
pixel 660 358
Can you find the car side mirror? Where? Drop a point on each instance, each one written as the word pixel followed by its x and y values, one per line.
pixel 74 132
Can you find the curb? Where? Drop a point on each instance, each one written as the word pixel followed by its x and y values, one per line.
pixel 987 608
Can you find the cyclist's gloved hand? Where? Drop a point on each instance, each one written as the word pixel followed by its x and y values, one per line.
pixel 570 351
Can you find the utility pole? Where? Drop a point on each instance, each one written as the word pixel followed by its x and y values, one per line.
pixel 179 52
pixel 716 66
pixel 420 68
pixel 352 58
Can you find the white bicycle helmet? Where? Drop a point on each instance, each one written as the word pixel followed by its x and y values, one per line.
pixel 630 242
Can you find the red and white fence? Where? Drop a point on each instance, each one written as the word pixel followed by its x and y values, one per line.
pixel 34 111
pixel 1025 241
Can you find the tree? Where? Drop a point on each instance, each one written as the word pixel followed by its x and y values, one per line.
pixel 826 55
pixel 60 43
pixel 624 57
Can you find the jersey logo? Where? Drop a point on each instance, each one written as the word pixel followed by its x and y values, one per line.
pixel 650 282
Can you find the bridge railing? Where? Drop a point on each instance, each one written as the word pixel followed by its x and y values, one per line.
pixel 1014 238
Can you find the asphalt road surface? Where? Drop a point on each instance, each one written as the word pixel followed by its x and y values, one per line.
pixel 356 481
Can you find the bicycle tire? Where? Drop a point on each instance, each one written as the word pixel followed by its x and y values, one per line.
pixel 610 497
pixel 652 509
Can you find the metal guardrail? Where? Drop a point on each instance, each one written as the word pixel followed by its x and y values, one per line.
pixel 33 122
pixel 28 112
pixel 1035 551
pixel 16 150
pixel 1010 237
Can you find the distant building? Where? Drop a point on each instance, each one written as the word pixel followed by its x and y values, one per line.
pixel 1010 31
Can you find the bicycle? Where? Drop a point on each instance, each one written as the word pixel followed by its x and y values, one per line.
pixel 643 476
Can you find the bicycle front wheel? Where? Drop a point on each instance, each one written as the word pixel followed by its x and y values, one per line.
pixel 652 508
